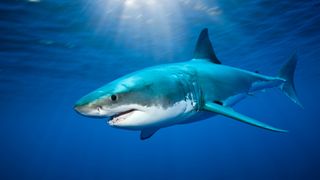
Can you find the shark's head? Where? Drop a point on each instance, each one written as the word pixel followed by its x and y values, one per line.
pixel 137 100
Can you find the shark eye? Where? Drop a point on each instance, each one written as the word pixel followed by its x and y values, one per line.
pixel 114 97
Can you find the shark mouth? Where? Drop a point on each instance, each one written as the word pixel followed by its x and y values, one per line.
pixel 120 116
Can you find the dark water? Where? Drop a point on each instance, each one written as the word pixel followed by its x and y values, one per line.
pixel 53 52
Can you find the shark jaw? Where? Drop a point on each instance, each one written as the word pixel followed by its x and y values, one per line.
pixel 121 116
pixel 137 117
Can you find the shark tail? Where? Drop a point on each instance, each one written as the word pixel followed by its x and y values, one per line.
pixel 287 73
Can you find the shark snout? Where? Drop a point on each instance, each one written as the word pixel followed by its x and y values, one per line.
pixel 89 111
pixel 83 110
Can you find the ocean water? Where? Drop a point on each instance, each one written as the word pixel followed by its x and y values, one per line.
pixel 53 52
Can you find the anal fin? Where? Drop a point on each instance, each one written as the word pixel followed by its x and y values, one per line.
pixel 227 111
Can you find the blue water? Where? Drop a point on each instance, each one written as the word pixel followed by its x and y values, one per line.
pixel 54 52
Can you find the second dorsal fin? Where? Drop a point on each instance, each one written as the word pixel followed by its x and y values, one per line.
pixel 203 49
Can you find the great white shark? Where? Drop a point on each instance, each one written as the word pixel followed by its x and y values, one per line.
pixel 180 93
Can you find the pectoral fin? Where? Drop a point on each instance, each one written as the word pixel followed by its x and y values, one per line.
pixel 226 111
pixel 147 133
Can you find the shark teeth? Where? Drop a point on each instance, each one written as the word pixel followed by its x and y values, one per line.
pixel 120 116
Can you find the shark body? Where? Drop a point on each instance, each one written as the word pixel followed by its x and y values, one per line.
pixel 181 93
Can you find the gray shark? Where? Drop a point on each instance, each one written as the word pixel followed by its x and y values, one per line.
pixel 181 93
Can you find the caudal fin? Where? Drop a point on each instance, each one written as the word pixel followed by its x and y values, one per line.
pixel 287 73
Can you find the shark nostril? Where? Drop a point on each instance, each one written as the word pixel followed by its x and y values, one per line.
pixel 99 108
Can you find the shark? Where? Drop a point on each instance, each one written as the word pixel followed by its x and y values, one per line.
pixel 181 93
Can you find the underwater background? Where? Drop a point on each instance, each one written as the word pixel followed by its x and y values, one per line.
pixel 53 52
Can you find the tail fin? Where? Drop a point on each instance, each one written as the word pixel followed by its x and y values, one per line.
pixel 287 73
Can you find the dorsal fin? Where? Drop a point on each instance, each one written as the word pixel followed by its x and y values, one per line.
pixel 203 49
